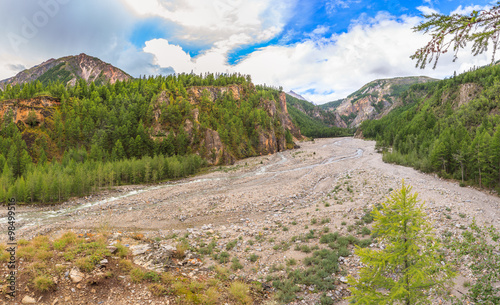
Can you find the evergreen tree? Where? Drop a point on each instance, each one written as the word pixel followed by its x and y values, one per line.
pixel 495 154
pixel 410 265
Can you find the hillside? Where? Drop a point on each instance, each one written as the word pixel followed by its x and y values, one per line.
pixel 68 70
pixel 373 100
pixel 451 127
pixel 167 126
pixel 314 121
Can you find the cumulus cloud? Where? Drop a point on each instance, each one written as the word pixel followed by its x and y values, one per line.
pixel 469 9
pixel 214 21
pixel 427 10
pixel 321 67
pixel 326 69
pixel 33 31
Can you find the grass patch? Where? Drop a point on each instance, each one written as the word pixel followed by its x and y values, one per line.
pixel 43 283
pixel 240 292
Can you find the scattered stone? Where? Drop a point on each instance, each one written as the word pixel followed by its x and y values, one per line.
pixel 140 249
pixel 76 276
pixel 28 300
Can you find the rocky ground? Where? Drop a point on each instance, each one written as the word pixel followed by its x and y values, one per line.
pixel 259 211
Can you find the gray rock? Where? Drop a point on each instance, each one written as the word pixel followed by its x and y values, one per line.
pixel 140 249
pixel 112 249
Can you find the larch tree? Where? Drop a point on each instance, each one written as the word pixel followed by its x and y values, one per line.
pixel 410 265
pixel 455 31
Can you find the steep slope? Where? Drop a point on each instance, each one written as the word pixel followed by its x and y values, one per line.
pixel 69 70
pixel 331 105
pixel 314 121
pixel 372 100
pixel 451 127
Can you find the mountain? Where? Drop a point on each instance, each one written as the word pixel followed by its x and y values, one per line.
pixel 69 70
pixel 297 96
pixel 373 100
pixel 313 121
pixel 451 127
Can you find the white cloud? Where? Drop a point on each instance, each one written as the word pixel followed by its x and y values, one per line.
pixel 217 20
pixel 333 5
pixel 98 28
pixel 332 67
pixel 427 10
pixel 469 9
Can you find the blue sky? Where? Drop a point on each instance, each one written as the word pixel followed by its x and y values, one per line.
pixel 323 50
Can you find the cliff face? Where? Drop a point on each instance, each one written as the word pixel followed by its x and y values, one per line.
pixel 373 100
pixel 21 111
pixel 209 141
pixel 69 70
pixel 214 93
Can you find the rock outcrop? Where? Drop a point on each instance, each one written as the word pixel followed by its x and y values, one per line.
pixel 209 143
pixel 32 111
pixel 373 100
pixel 214 93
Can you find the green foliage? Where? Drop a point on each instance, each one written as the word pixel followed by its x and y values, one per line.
pixel 311 126
pixel 105 135
pixel 61 181
pixel 411 264
pixel 433 132
pixel 456 31
pixel 482 247
pixel 319 268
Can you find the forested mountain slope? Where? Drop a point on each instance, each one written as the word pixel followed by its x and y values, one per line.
pixel 451 127
pixel 314 121
pixel 58 141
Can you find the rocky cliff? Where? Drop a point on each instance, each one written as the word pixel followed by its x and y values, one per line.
pixel 69 70
pixel 209 142
pixel 30 112
pixel 373 100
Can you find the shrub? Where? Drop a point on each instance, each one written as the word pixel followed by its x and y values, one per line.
pixel 223 257
pixel 137 275
pixel 43 283
pixel 253 257
pixel 236 265
pixel 240 292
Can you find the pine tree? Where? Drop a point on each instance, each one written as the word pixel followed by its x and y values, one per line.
pixel 410 265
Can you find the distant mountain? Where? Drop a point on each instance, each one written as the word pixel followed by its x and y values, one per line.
pixel 297 96
pixel 373 100
pixel 314 121
pixel 68 70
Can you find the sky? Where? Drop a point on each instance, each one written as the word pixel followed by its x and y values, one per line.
pixel 323 50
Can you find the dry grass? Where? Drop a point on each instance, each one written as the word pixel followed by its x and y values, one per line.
pixel 240 292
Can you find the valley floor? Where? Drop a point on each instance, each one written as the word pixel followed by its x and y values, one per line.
pixel 261 203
